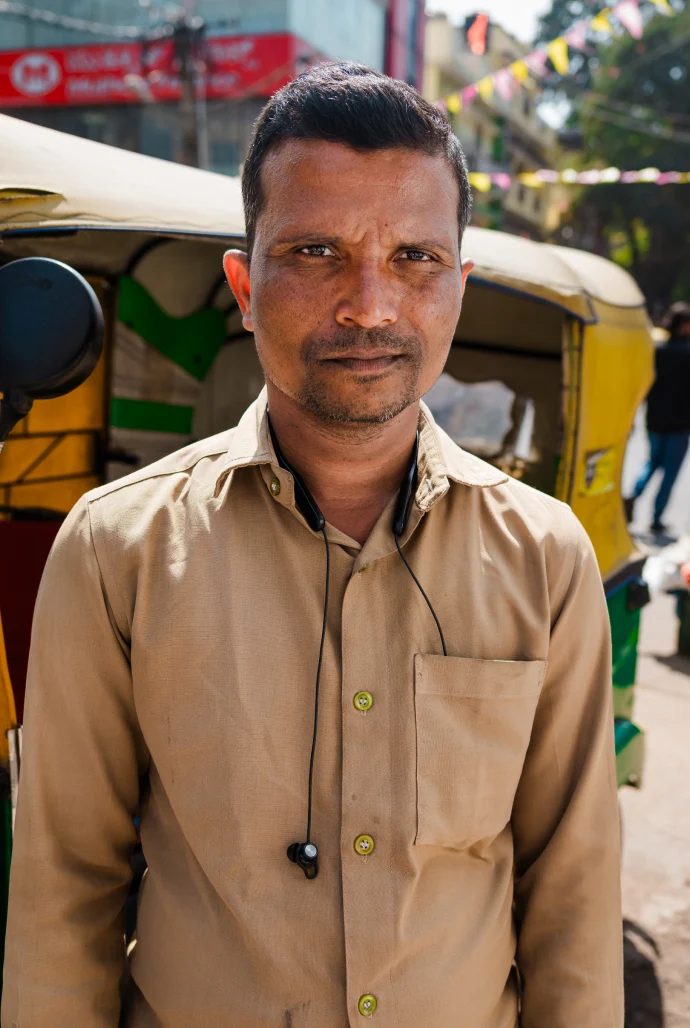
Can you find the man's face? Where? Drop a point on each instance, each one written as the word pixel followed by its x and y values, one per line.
pixel 356 282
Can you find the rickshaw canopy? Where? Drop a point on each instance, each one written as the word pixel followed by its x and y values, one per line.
pixel 53 181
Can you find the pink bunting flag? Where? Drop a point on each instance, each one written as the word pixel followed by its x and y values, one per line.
pixel 504 82
pixel 628 14
pixel 468 94
pixel 501 179
pixel 576 37
pixel 536 62
pixel 667 178
pixel 548 175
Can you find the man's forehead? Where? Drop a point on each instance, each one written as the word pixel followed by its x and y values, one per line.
pixel 309 176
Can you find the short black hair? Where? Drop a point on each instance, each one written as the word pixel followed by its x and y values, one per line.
pixel 352 104
pixel 678 314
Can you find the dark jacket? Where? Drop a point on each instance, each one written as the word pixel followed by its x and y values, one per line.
pixel 668 403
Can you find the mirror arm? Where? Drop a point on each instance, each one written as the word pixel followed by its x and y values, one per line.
pixel 14 406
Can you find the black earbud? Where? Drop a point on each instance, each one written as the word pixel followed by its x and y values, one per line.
pixel 306 854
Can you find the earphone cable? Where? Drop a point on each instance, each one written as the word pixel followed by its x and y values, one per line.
pixel 318 682
pixel 421 589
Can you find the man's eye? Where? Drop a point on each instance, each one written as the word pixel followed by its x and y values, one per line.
pixel 415 255
pixel 317 250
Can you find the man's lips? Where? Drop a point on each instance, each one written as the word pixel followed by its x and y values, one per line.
pixel 366 361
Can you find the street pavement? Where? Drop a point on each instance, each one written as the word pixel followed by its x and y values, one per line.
pixel 656 818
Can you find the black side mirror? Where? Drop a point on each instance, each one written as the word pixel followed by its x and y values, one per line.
pixel 51 334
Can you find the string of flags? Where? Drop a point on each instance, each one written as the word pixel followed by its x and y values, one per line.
pixel 506 80
pixel 484 182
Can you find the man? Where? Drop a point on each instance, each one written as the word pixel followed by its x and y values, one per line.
pixel 668 414
pixel 357 806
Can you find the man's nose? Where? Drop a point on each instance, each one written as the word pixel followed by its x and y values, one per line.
pixel 369 300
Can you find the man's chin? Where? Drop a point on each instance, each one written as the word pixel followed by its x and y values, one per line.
pixel 356 410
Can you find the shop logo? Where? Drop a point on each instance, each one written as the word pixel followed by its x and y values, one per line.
pixel 35 74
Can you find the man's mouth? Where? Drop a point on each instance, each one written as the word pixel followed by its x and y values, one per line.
pixel 368 363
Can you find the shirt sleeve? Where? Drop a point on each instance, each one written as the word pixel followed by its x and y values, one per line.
pixel 82 759
pixel 566 824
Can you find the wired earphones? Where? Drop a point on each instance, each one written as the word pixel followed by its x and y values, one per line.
pixel 306 854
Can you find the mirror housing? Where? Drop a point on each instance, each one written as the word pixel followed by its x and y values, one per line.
pixel 51 334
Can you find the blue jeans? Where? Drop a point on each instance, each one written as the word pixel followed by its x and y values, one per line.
pixel 667 451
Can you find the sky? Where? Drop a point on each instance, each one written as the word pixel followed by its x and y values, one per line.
pixel 518 16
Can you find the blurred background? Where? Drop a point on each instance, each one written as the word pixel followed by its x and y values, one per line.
pixel 575 120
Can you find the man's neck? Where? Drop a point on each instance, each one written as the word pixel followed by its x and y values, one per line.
pixel 351 470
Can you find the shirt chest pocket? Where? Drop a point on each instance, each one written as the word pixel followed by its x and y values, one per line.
pixel 474 720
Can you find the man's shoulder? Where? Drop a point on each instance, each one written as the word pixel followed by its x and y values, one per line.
pixel 201 459
pixel 534 513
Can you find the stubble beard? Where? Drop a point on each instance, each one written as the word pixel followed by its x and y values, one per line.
pixel 317 396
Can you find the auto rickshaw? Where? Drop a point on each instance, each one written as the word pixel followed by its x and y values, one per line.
pixel 550 360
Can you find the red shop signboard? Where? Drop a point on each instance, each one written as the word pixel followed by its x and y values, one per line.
pixel 111 73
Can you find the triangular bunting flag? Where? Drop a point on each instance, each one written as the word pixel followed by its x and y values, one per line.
pixel 577 35
pixel 558 52
pixel 480 181
pixel 664 6
pixel 454 103
pixel 504 82
pixel 519 70
pixel 485 88
pixel 467 95
pixel 536 62
pixel 628 14
pixel 601 23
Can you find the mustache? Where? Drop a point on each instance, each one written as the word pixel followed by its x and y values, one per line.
pixel 370 341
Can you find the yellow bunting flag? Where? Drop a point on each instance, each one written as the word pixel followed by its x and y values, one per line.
pixel 520 71
pixel 601 23
pixel 480 181
pixel 664 6
pixel 531 179
pixel 486 87
pixel 454 103
pixel 558 52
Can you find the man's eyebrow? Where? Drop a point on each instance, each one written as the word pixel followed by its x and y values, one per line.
pixel 306 237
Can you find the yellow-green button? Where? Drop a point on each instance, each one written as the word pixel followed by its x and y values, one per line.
pixel 363 700
pixel 275 486
pixel 367 1005
pixel 364 845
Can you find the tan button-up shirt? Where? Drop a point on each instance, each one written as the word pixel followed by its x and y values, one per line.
pixel 176 638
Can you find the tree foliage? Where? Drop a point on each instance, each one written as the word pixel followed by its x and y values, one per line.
pixel 635 114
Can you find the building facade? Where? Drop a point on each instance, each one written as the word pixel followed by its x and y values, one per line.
pixel 497 135
pixel 125 87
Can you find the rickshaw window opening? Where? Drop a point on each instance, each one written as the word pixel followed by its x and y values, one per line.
pixel 514 291
pixel 509 351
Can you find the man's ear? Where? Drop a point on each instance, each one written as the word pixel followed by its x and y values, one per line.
pixel 467 266
pixel 236 266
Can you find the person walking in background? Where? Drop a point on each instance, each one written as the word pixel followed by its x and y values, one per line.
pixel 668 414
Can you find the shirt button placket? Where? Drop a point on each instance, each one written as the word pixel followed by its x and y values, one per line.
pixel 366 942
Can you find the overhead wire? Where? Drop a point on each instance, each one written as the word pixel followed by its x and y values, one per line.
pixel 93 28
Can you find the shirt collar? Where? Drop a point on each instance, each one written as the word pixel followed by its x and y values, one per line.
pixel 440 459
